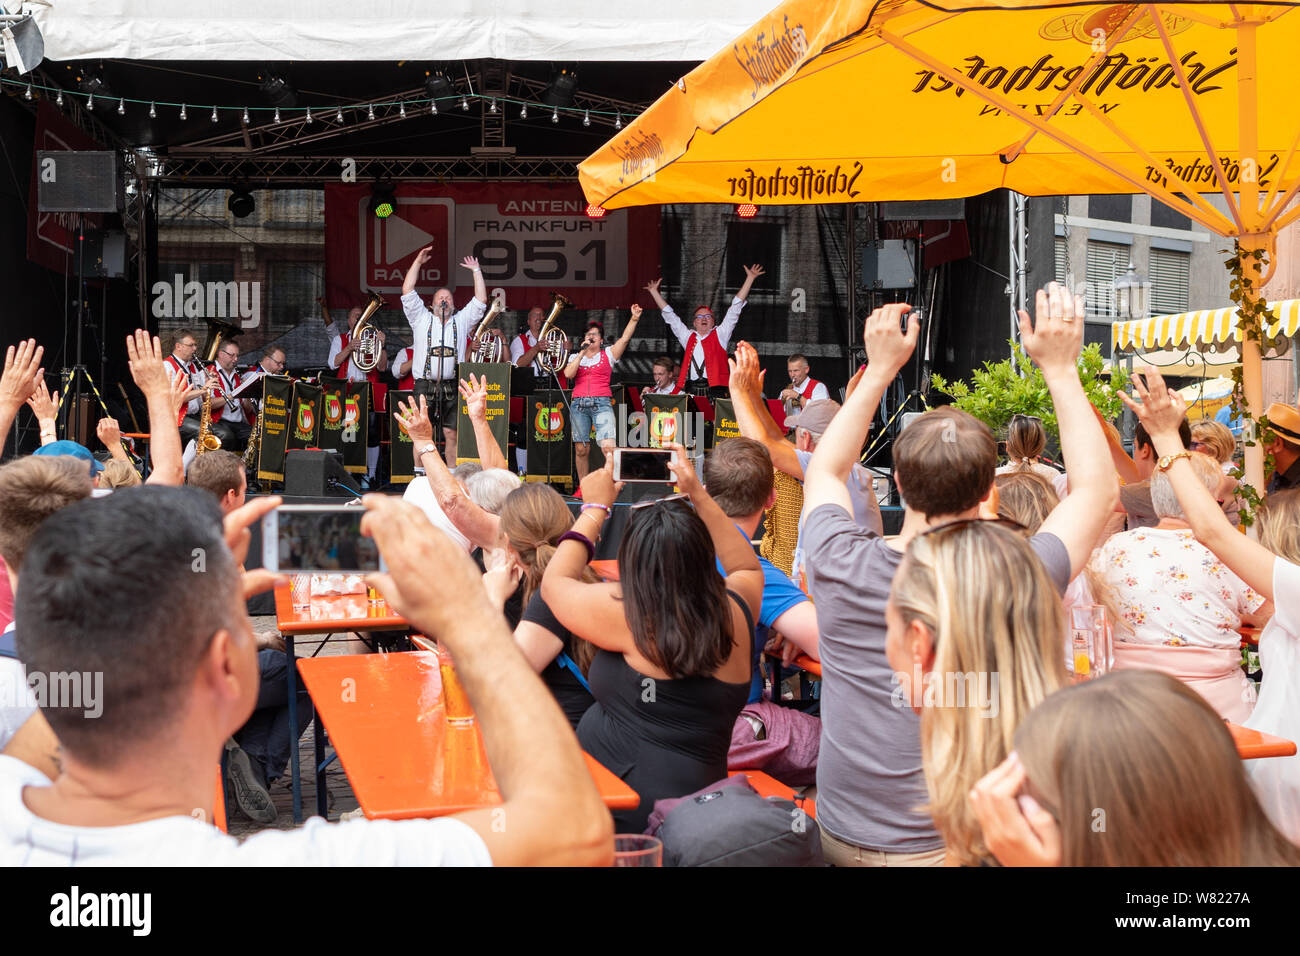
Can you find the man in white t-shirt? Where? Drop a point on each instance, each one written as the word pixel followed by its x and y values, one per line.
pixel 136 785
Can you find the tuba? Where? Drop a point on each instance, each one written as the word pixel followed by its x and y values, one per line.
pixel 489 348
pixel 555 343
pixel 366 355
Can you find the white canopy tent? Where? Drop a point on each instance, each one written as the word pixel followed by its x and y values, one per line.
pixel 270 30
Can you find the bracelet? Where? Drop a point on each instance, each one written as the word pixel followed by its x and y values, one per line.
pixel 578 536
pixel 592 504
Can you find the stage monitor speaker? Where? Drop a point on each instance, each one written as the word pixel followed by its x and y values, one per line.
pixel 77 181
pixel 889 264
pixel 923 209
pixel 309 471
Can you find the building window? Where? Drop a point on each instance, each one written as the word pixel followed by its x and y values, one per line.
pixel 1170 272
pixel 1062 265
pixel 1107 261
pixel 1162 215
pixel 1112 208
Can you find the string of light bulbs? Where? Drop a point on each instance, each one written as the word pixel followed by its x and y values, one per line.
pixel 584 114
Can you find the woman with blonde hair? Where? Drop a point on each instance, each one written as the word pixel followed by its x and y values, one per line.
pixel 533 517
pixel 1214 439
pixel 119 473
pixel 974 637
pixel 1026 439
pixel 1026 498
pixel 1133 769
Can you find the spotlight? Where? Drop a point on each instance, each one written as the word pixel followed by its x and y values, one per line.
pixel 240 203
pixel 383 200
pixel 276 89
pixel 594 211
pixel 438 86
pixel 563 86
pixel 747 210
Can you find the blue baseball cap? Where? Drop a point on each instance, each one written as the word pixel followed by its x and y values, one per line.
pixel 75 449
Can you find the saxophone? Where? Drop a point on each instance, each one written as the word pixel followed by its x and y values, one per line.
pixel 254 443
pixel 207 441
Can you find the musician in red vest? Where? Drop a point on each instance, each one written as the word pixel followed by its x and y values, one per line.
pixel 340 359
pixel 803 387
pixel 590 370
pixel 704 368
pixel 181 362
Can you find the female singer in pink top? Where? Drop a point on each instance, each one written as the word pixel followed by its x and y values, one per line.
pixel 593 399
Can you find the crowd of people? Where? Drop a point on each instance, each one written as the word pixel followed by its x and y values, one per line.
pixel 950 728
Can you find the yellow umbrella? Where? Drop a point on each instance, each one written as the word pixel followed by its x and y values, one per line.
pixel 872 100
pixel 1207 397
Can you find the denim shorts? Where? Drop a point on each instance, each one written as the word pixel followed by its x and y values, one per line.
pixel 588 410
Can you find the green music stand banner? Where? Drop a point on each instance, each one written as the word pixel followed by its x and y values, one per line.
pixel 498 409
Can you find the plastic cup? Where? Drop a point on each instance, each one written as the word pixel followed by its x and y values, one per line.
pixel 638 849
pixel 455 702
pixel 300 589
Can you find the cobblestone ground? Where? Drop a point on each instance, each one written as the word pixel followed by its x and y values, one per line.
pixel 340 799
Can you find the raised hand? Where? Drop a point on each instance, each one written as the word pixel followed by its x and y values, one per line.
pixel 469 262
pixel 43 404
pixel 888 347
pixel 636 311
pixel 1159 408
pixel 423 255
pixel 145 359
pixel 1017 830
pixel 475 394
pixel 415 419
pixel 21 372
pixel 683 470
pixel 109 433
pixel 753 272
pixel 653 286
pixel 598 487
pixel 746 375
pixel 1055 338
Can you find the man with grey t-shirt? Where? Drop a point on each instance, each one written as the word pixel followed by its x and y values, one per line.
pixel 870 782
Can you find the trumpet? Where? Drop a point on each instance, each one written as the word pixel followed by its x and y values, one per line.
pixel 366 354
pixel 555 344
pixel 489 348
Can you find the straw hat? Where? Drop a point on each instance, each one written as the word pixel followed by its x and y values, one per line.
pixel 1285 420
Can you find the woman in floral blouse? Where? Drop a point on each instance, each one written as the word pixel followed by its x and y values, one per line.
pixel 1177 607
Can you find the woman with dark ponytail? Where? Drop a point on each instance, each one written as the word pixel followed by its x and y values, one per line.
pixel 1026 439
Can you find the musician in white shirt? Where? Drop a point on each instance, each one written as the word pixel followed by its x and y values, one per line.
pixel 344 347
pixel 802 388
pixel 182 362
pixel 230 411
pixel 440 342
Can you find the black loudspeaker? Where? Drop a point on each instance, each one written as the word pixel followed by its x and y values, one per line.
pixel 317 473
pixel 77 181
pixel 923 209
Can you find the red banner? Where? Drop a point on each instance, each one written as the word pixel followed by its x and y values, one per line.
pixel 52 236
pixel 526 236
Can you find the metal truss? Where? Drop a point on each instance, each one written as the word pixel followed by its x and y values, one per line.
pixel 222 169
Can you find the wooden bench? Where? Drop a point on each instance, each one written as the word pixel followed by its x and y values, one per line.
pixel 769 786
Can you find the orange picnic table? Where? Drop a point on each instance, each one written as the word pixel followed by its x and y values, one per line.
pixel 326 615
pixel 384 713
pixel 1252 744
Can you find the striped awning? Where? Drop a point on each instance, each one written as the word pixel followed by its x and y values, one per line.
pixel 1207 327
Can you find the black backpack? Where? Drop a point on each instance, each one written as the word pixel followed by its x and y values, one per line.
pixel 730 824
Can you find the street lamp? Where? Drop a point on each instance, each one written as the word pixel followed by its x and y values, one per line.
pixel 1131 298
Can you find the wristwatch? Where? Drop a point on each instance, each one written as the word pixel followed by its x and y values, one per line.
pixel 420 453
pixel 1167 460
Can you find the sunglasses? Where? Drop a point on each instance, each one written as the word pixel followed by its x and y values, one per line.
pixel 966 522
pixel 657 501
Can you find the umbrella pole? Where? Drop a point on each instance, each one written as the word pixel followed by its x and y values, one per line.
pixel 1252 367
